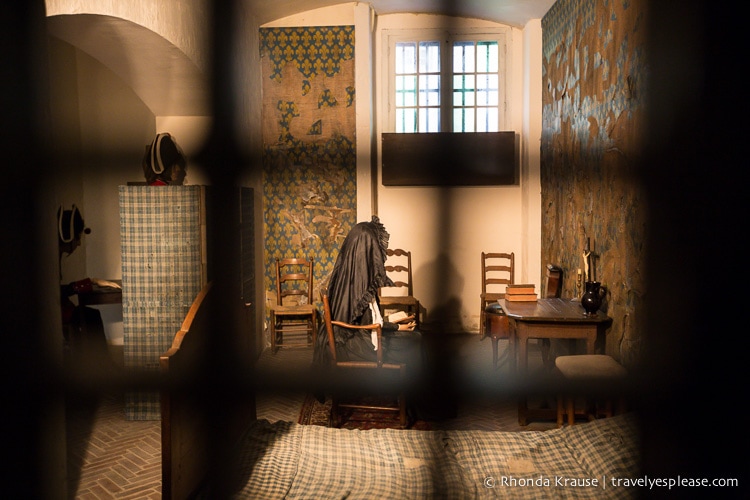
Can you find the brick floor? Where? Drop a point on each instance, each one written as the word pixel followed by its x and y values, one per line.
pixel 110 457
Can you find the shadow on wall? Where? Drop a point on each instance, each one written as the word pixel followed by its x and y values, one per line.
pixel 444 313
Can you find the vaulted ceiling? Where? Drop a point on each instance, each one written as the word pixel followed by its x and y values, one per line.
pixel 170 83
pixel 512 12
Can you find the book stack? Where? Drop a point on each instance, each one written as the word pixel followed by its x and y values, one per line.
pixel 521 293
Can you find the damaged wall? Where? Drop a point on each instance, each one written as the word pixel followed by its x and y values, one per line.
pixel 594 73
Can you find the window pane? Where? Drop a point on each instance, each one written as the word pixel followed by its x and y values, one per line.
pixel 481 119
pixel 468 125
pixel 487 57
pixel 475 86
pixel 474 93
pixel 410 120
pixel 493 119
pixel 429 119
pixel 431 98
pixel 406 58
pixel 466 88
pixel 406 120
pixel 406 91
pixel 429 90
pixel 493 93
pixel 459 82
pixel 400 90
pixel 487 119
pixel 458 98
pixel 463 90
pixel 487 92
pixel 463 57
pixel 429 57
pixel 482 90
pixel 458 120
pixel 433 120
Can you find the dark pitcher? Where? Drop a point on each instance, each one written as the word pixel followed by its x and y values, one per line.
pixel 592 297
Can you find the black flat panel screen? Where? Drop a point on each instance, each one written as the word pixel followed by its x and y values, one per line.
pixel 449 159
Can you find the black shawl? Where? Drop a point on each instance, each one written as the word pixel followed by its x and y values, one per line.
pixel 357 275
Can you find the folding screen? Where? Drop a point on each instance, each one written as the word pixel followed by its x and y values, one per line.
pixel 164 266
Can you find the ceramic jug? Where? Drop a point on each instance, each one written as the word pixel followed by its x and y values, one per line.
pixel 592 297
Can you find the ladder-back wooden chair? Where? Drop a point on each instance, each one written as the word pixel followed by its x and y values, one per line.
pixel 369 370
pixel 498 271
pixel 400 296
pixel 294 316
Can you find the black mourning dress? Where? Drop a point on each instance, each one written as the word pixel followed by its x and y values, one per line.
pixel 357 275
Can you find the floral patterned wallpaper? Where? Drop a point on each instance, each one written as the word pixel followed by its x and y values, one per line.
pixel 309 193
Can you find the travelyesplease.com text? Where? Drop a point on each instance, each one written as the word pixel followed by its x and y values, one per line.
pixel 605 482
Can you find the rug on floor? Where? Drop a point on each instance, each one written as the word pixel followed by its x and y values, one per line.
pixel 313 412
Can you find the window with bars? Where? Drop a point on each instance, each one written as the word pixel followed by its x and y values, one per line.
pixel 442 82
pixel 417 86
pixel 476 87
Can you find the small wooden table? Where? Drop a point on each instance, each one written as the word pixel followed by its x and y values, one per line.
pixel 551 319
pixel 101 295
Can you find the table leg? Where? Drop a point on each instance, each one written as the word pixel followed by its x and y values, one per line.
pixel 590 344
pixel 494 352
pixel 523 358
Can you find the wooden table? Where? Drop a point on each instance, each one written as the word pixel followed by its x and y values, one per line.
pixel 101 295
pixel 551 319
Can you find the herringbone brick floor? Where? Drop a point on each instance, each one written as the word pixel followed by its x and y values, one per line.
pixel 110 457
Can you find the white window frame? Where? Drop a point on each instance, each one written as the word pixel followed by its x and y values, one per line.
pixel 446 37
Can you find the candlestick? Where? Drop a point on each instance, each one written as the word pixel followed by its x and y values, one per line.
pixel 579 285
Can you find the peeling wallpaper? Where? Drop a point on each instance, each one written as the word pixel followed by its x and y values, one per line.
pixel 594 71
pixel 309 146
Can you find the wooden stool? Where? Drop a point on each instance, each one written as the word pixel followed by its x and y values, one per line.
pixel 587 368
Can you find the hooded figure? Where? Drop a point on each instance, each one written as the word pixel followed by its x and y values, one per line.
pixel 357 275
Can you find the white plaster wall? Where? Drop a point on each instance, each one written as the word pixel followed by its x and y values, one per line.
pixel 181 22
pixel 115 126
pixel 335 15
pixel 190 133
pixel 66 187
pixel 447 229
pixel 531 138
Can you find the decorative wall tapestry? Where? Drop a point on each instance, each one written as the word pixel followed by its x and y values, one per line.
pixel 594 77
pixel 309 155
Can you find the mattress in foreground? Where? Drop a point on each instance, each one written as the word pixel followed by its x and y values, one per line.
pixel 287 460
